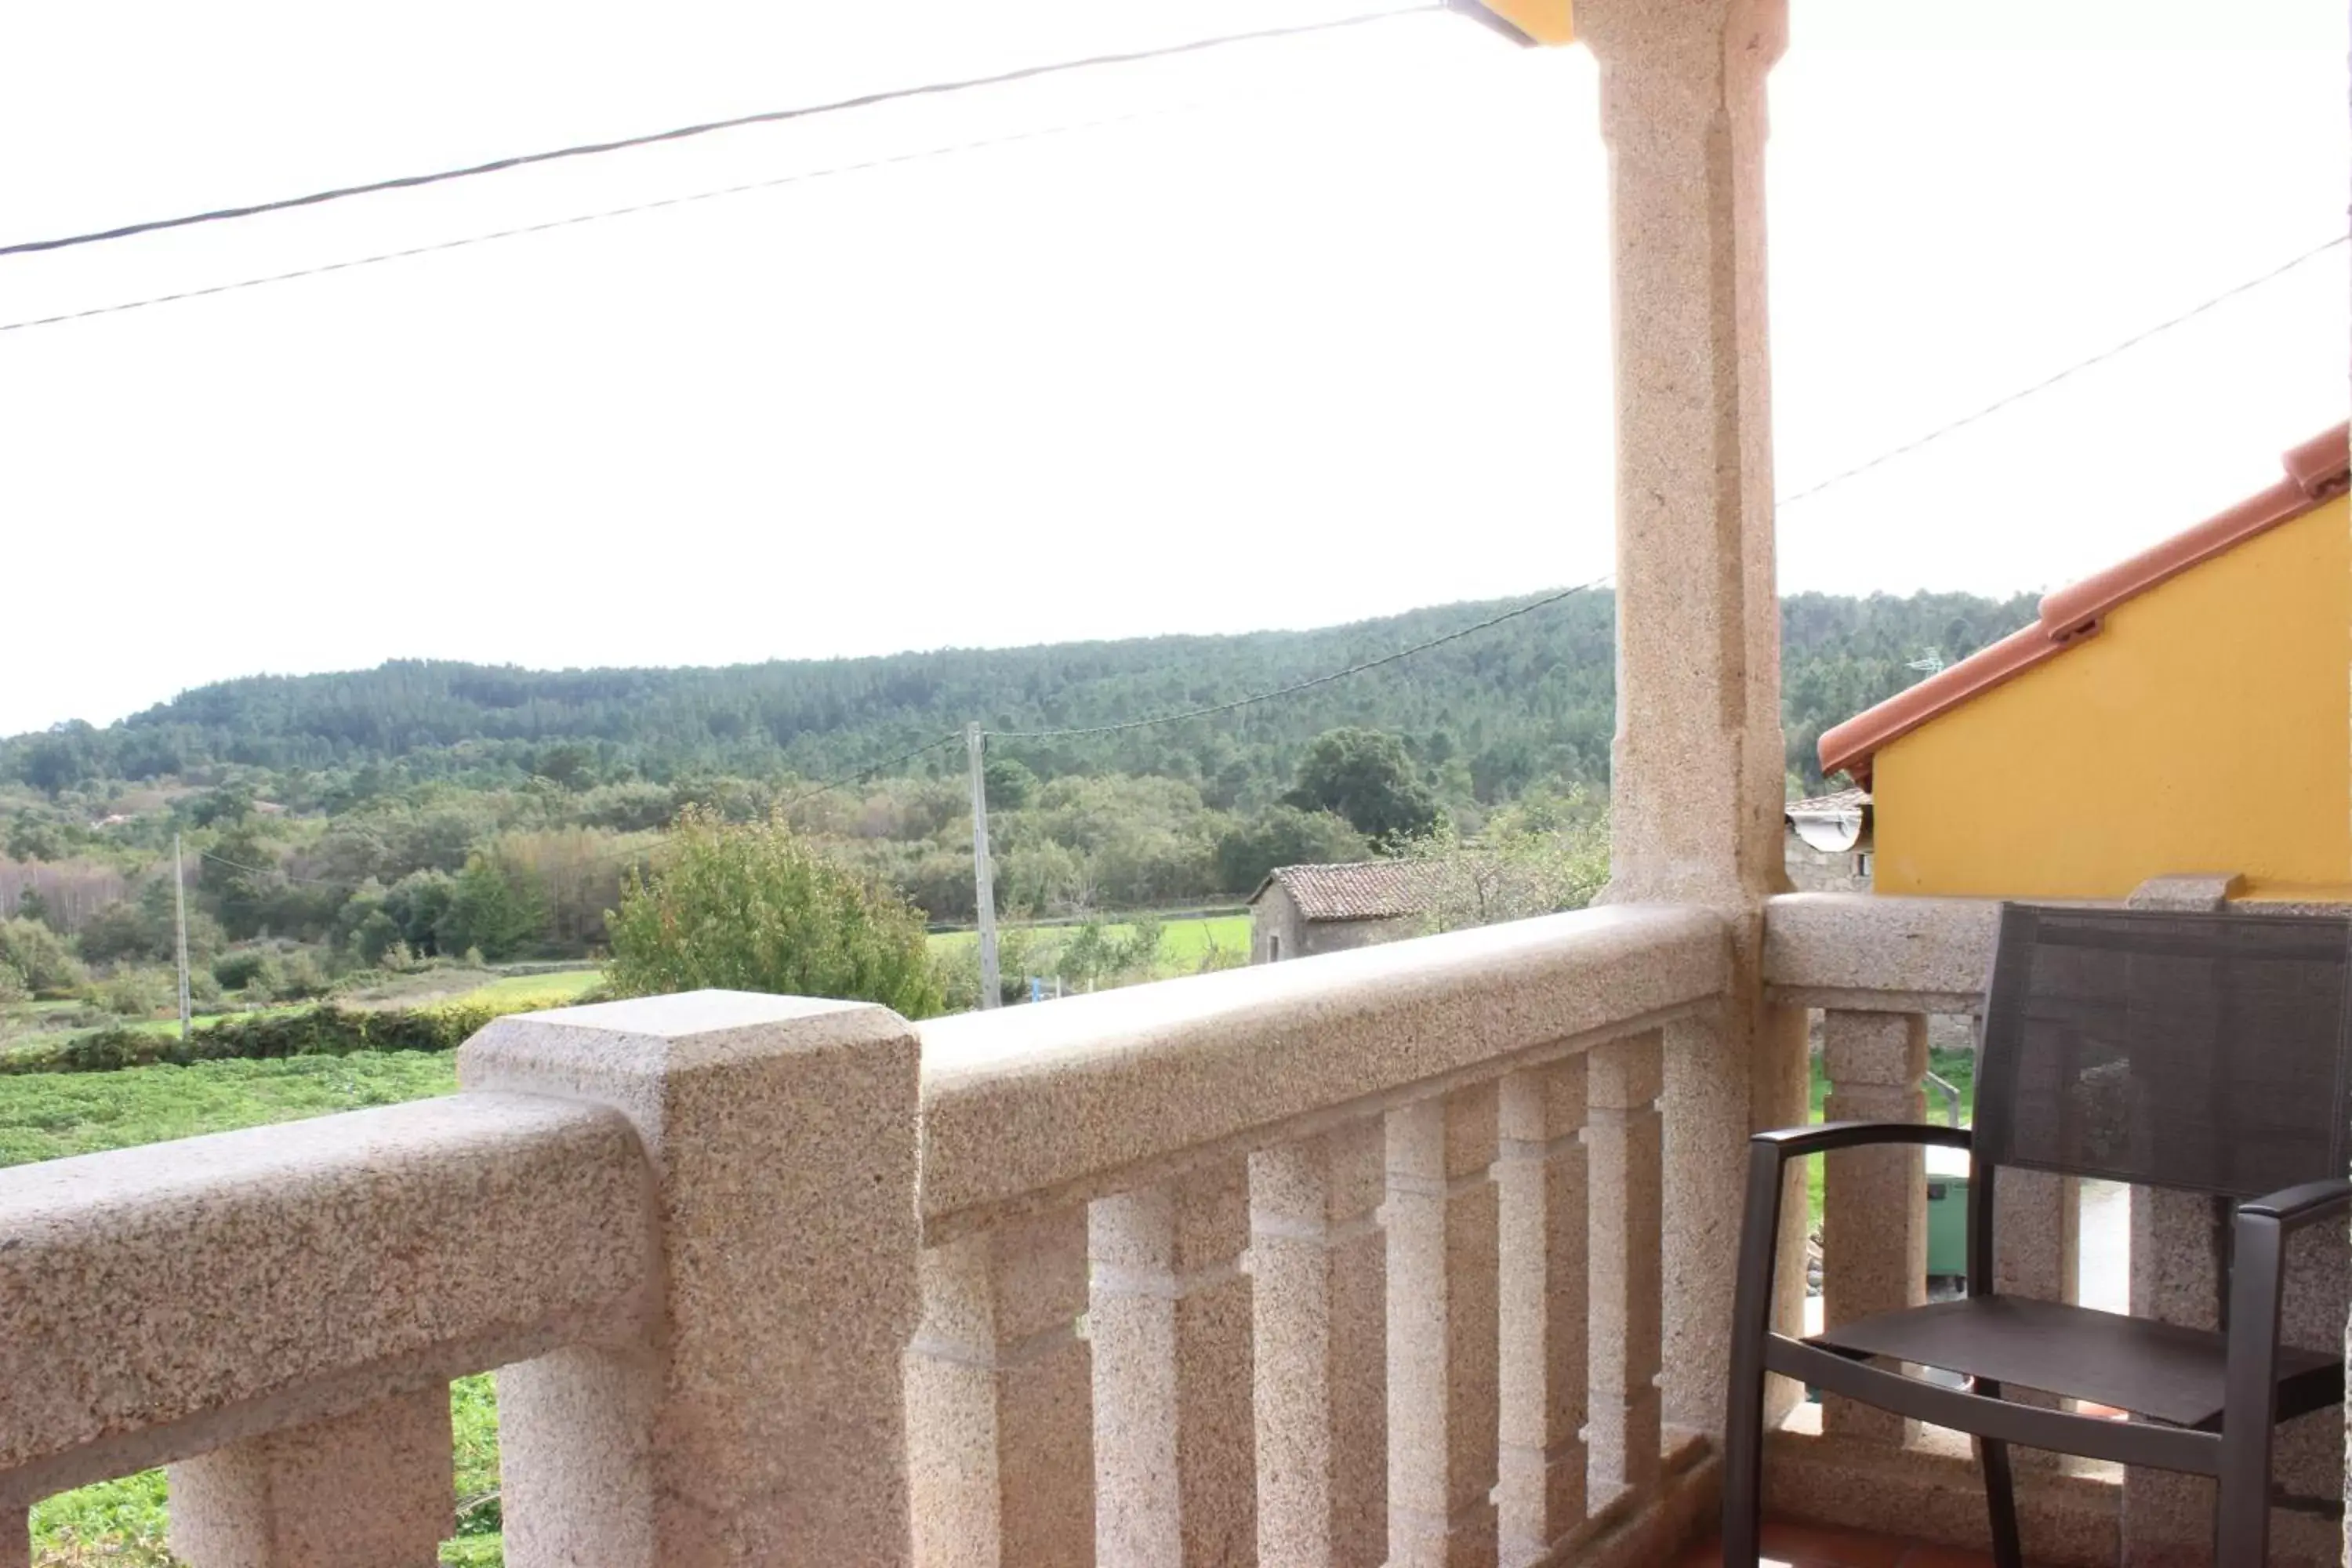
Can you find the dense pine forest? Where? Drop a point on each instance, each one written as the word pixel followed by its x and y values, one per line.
pixel 426 808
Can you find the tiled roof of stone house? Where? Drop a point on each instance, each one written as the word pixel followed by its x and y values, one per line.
pixel 1357 891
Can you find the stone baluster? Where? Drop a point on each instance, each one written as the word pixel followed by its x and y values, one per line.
pixel 1625 1140
pixel 1318 1265
pixel 1540 1182
pixel 761 1417
pixel 1000 1412
pixel 1175 1461
pixel 1443 1419
pixel 1875 1200
pixel 370 1489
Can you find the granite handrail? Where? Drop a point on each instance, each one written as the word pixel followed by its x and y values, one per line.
pixel 1098 1092
pixel 164 1301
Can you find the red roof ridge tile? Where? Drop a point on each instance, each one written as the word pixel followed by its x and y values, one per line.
pixel 2316 471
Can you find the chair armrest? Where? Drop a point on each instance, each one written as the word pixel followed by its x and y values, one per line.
pixel 2301 1206
pixel 1794 1142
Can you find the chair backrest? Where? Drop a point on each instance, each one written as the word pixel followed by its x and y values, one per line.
pixel 2210 1053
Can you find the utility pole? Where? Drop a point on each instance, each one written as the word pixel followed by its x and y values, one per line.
pixel 983 878
pixel 180 909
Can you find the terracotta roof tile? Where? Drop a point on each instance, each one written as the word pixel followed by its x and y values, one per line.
pixel 1358 890
pixel 2316 471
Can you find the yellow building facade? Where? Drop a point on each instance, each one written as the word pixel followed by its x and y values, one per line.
pixel 2187 712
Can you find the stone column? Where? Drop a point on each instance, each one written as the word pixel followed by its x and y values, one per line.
pixel 1443 1382
pixel 1175 1452
pixel 15 1539
pixel 1875 1200
pixel 1318 1269
pixel 1000 1399
pixel 761 1417
pixel 1541 1182
pixel 1625 1137
pixel 1698 761
pixel 370 1489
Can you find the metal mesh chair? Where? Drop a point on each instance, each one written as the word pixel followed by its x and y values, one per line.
pixel 2207 1053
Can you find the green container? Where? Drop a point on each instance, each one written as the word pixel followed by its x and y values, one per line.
pixel 1947 1214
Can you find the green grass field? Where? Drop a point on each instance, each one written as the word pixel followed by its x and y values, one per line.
pixel 1182 944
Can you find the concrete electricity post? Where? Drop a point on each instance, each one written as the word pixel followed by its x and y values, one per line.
pixel 180 913
pixel 983 879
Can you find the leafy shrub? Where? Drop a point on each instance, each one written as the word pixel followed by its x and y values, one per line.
pixel 41 958
pixel 328 1030
pixel 758 908
pixel 136 992
pixel 239 968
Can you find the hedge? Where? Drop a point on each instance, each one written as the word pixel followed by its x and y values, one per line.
pixel 325 1030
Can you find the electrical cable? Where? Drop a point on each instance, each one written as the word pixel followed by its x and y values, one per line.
pixel 2050 381
pixel 705 127
pixel 861 776
pixel 552 223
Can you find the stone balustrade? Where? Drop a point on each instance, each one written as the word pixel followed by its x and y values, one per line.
pixel 1356 1259
pixel 1353 1259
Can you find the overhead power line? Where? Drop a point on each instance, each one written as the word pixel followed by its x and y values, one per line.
pixel 708 127
pixel 846 780
pixel 552 223
pixel 1256 698
pixel 2048 382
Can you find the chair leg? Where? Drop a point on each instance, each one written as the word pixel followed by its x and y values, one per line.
pixel 2241 1531
pixel 1752 1320
pixel 2242 1526
pixel 2001 1492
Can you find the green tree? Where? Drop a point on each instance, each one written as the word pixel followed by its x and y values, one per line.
pixel 1010 784
pixel 120 931
pixel 1284 836
pixel 755 907
pixel 1542 856
pixel 41 957
pixel 490 908
pixel 239 877
pixel 1367 777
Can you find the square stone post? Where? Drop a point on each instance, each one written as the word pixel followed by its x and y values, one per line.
pixel 370 1489
pixel 761 1416
pixel 1700 761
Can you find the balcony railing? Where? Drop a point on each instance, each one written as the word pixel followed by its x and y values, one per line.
pixel 1357 1259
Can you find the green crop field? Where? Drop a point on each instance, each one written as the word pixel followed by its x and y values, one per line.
pixel 1183 944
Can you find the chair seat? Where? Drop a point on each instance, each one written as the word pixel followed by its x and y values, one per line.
pixel 2158 1370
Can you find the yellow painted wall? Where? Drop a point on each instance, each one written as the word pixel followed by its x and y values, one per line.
pixel 2208 728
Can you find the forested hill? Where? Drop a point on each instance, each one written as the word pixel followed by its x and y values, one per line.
pixel 1528 698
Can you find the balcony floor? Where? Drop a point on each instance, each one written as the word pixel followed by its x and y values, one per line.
pixel 1816 1546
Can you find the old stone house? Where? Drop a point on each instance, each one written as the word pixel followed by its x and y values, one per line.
pixel 1299 910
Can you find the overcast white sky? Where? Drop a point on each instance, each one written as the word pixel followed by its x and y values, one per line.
pixel 1309 331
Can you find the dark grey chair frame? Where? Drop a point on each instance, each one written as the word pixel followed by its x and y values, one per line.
pixel 2238 1454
